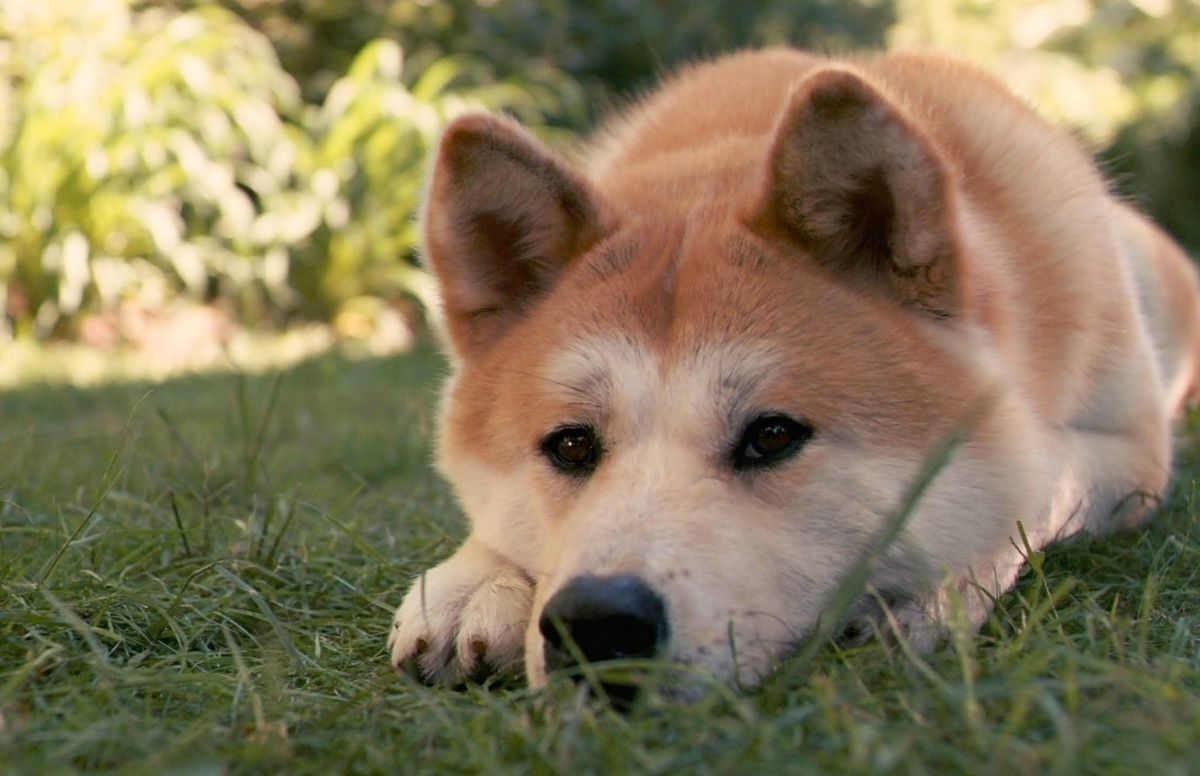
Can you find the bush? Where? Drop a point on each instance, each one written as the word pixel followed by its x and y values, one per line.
pixel 157 150
pixel 371 137
pixel 152 153
pixel 147 154
pixel 611 48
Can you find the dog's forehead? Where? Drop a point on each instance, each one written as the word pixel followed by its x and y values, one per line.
pixel 690 305
pixel 676 319
pixel 622 375
pixel 681 283
pixel 703 327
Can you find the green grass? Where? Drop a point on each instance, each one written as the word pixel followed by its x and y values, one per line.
pixel 198 576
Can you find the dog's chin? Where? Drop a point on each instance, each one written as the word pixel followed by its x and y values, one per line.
pixel 626 688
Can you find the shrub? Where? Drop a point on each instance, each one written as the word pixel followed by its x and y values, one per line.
pixel 152 153
pixel 157 150
pixel 372 136
pixel 146 154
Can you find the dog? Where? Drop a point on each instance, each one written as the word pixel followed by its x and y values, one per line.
pixel 699 372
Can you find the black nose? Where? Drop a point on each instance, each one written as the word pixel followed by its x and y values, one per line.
pixel 607 618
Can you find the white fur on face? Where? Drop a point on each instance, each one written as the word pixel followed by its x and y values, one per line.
pixel 743 561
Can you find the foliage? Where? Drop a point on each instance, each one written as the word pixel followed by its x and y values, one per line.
pixel 611 47
pixel 267 155
pixel 179 594
pixel 145 154
pixel 149 153
pixel 372 136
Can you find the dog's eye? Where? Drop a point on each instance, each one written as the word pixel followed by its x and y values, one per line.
pixel 572 449
pixel 770 439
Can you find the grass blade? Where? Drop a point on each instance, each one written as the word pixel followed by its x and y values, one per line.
pixel 298 660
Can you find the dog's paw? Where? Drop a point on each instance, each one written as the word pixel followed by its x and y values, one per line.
pixel 463 620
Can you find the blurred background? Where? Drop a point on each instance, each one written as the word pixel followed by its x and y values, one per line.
pixel 187 183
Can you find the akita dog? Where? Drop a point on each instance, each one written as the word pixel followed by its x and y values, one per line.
pixel 697 373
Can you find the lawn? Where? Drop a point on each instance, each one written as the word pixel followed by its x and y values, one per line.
pixel 198 576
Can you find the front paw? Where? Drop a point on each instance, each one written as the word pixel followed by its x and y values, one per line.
pixel 463 620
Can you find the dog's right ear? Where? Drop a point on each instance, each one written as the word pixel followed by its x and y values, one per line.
pixel 503 217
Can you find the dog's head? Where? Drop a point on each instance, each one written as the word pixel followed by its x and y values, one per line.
pixel 687 412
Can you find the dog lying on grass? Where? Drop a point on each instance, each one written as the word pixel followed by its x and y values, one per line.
pixel 698 374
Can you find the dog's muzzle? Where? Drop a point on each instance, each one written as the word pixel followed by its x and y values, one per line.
pixel 601 619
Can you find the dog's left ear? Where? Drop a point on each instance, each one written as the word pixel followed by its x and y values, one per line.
pixel 504 217
pixel 860 187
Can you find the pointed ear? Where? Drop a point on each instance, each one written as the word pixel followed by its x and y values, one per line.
pixel 861 188
pixel 503 218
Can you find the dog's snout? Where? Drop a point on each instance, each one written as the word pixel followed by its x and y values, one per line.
pixel 606 618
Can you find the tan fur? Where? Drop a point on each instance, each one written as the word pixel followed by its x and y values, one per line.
pixel 892 249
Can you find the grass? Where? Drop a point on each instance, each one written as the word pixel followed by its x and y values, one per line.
pixel 198 577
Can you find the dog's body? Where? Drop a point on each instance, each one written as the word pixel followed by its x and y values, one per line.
pixel 695 381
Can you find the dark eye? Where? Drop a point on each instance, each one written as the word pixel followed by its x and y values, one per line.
pixel 572 449
pixel 770 439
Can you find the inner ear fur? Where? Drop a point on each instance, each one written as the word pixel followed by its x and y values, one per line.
pixel 862 189
pixel 503 217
